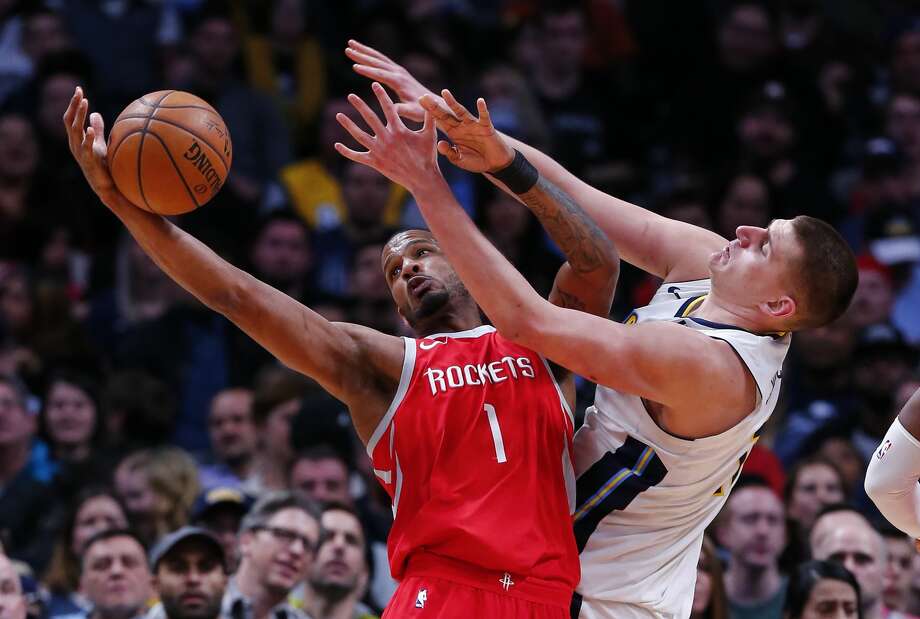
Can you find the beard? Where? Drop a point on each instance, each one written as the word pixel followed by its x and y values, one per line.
pixel 333 591
pixel 174 610
pixel 437 300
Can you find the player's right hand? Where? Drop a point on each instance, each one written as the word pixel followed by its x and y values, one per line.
pixel 88 145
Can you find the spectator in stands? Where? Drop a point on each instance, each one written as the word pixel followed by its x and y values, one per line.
pixel 752 528
pixel 281 254
pixel 158 487
pixel 20 207
pixel 189 575
pixel 233 439
pixel 709 601
pixel 745 201
pixel 905 48
pixel 94 510
pixel 813 484
pixel 900 551
pixel 140 411
pixel 114 575
pixel 275 404
pixel 12 601
pixel 874 297
pixel 823 589
pixel 370 303
pixel 221 511
pixel 320 474
pixel 846 537
pixel 339 576
pixel 278 539
pixel 24 478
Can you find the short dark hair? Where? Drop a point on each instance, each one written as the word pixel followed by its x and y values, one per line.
pixel 801 465
pixel 803 580
pixel 101 536
pixel 272 503
pixel 825 273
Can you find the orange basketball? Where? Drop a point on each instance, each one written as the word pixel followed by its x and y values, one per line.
pixel 169 152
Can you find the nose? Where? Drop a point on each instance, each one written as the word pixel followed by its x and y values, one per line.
pixel 410 268
pixel 749 234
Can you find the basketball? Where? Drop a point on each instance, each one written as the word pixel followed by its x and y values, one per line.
pixel 169 152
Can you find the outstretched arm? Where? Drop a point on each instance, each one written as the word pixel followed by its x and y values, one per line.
pixel 357 365
pixel 670 249
pixel 662 362
pixel 891 479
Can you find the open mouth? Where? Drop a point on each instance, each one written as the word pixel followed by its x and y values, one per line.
pixel 419 285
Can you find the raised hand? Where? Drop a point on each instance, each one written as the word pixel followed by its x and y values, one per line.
pixel 378 67
pixel 406 157
pixel 477 146
pixel 88 145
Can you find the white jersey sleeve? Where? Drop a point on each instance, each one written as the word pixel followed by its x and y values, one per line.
pixel 643 496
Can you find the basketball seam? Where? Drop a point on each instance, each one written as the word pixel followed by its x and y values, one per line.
pixel 140 151
pixel 176 168
pixel 191 133
pixel 122 141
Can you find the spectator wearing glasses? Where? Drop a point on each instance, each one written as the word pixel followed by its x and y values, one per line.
pixel 278 539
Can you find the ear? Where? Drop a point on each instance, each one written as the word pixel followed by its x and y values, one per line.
pixel 782 307
pixel 245 543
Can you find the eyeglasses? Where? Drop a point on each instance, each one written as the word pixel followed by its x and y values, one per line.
pixel 288 537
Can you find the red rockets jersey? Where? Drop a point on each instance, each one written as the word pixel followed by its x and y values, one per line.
pixel 475 452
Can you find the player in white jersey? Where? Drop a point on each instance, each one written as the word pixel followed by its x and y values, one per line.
pixel 684 386
pixel 891 480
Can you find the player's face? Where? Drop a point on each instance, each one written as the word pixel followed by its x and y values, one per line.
pixel 898 571
pixel 281 552
pixel 340 559
pixel 756 526
pixel 815 487
pixel 831 599
pixel 754 270
pixel 420 278
pixel 100 513
pixel 191 581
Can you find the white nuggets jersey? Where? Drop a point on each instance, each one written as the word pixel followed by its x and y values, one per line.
pixel 645 497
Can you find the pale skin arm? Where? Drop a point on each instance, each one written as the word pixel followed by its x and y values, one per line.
pixel 662 362
pixel 355 364
pixel 672 250
pixel 910 419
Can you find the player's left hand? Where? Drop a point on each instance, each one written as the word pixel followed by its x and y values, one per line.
pixel 475 145
pixel 406 157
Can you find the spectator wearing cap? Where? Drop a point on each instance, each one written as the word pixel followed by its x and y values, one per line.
pixel 339 576
pixel 220 511
pixel 12 600
pixel 189 575
pixel 893 238
pixel 234 439
pixel 114 575
pixel 278 539
pixel 874 297
pixel 752 527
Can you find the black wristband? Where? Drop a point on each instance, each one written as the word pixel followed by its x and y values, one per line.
pixel 519 176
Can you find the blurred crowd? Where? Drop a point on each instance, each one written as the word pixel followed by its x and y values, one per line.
pixel 145 439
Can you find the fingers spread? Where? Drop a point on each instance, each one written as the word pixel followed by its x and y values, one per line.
pixel 455 106
pixel 386 104
pixel 484 118
pixel 352 154
pixel 355 131
pixel 366 113
pixel 367 49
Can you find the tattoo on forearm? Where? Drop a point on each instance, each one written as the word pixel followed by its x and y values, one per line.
pixel 567 300
pixel 584 245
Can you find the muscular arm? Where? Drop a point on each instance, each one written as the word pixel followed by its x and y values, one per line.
pixel 670 249
pixel 891 479
pixel 357 365
pixel 587 280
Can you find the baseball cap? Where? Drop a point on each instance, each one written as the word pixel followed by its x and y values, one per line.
pixel 883 337
pixel 220 496
pixel 171 540
pixel 893 237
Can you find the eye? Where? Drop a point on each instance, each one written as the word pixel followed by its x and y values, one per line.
pixel 421 253
pixel 394 271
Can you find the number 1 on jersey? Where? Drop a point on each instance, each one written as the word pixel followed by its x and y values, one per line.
pixel 496 433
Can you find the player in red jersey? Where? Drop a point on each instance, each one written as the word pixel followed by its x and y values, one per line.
pixel 469 432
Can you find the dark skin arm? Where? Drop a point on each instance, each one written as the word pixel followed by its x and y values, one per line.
pixel 357 365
